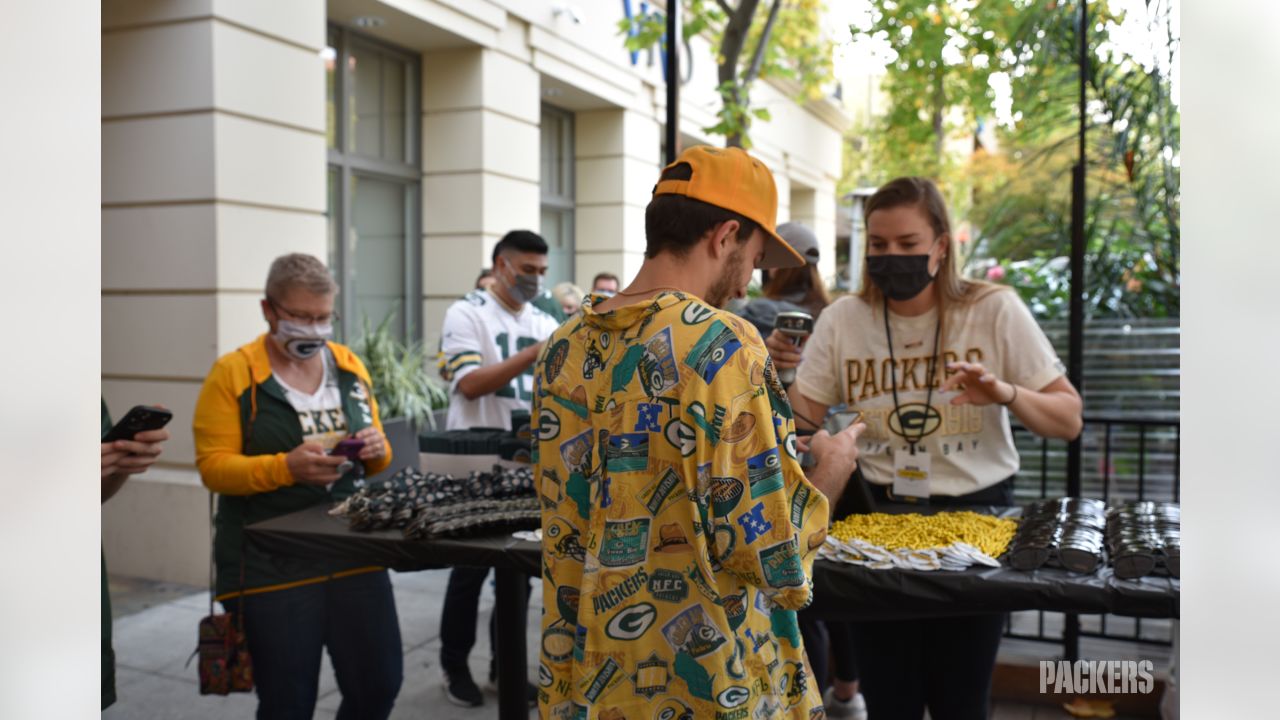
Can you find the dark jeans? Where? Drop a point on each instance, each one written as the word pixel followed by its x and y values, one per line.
pixel 458 618
pixel 354 617
pixel 945 663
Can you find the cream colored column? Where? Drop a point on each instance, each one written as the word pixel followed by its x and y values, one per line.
pixel 616 166
pixel 817 209
pixel 480 147
pixel 213 163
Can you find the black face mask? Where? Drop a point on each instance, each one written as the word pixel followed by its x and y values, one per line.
pixel 899 277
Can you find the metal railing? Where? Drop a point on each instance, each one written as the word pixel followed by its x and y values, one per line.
pixel 1124 458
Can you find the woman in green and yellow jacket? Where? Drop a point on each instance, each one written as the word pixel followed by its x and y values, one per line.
pixel 267 417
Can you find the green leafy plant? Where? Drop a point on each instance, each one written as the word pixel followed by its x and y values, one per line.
pixel 399 373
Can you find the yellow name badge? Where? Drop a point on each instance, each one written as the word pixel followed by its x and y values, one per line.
pixel 911 473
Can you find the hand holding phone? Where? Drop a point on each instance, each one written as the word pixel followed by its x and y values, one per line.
pixel 140 418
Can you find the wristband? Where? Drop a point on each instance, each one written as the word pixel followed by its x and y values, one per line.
pixel 1015 395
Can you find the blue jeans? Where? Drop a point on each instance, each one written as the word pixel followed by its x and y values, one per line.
pixel 354 617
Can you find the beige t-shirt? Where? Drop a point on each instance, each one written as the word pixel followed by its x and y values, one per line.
pixel 847 361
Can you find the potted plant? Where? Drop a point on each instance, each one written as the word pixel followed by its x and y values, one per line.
pixel 407 395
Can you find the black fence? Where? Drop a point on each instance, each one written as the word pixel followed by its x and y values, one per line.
pixel 1124 459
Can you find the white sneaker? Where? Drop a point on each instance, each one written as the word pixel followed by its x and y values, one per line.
pixel 855 708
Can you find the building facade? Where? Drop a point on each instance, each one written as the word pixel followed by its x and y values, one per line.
pixel 399 140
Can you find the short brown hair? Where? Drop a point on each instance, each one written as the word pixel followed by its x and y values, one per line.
pixel 675 223
pixel 299 270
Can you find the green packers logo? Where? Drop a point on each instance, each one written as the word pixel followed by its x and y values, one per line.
pixel 733 696
pixel 548 425
pixel 696 313
pixel 631 622
pixel 681 436
pixel 555 359
pixel 915 420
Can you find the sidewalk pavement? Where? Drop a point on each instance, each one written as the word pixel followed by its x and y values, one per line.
pixel 155 633
pixel 152 646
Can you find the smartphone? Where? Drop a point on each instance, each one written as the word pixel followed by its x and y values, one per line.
pixel 349 448
pixel 140 419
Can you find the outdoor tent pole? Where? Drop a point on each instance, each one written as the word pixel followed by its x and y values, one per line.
pixel 1075 361
pixel 673 80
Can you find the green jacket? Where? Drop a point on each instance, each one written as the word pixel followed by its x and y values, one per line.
pixel 244 426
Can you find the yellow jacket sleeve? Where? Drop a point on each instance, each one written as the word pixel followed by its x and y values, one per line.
pixel 218 434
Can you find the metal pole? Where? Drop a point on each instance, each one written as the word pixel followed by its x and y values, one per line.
pixel 673 80
pixel 1075 362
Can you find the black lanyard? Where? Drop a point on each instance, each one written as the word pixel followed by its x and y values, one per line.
pixel 893 373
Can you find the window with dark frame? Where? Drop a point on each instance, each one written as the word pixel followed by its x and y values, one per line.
pixel 557 186
pixel 374 182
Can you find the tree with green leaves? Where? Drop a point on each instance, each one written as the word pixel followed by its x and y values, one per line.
pixel 754 39
pixel 1017 200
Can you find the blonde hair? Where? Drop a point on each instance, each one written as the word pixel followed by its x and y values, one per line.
pixel 299 270
pixel 567 291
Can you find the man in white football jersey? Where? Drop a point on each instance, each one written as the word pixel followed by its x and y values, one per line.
pixel 490 341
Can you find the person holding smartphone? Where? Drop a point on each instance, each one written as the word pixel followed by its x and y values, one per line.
pixel 268 420
pixel 936 364
pixel 122 457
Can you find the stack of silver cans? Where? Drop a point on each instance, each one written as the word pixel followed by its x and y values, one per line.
pixel 1145 538
pixel 1061 532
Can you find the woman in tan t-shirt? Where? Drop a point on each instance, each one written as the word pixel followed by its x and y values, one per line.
pixel 935 363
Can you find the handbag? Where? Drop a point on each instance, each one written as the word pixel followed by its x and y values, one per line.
pixel 225 665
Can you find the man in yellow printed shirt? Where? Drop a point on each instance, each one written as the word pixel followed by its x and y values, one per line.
pixel 678 529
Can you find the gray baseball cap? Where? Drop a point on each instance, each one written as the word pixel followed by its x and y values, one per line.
pixel 801 239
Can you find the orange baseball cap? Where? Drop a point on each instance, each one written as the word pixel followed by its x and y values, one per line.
pixel 729 178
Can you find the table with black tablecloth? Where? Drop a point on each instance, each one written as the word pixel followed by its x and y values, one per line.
pixel 841 591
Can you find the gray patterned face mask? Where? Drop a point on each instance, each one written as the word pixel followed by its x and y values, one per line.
pixel 524 288
pixel 302 341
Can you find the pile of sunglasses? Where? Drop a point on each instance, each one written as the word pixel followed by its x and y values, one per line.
pixel 1068 533
pixel 433 505
pixel 1145 538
